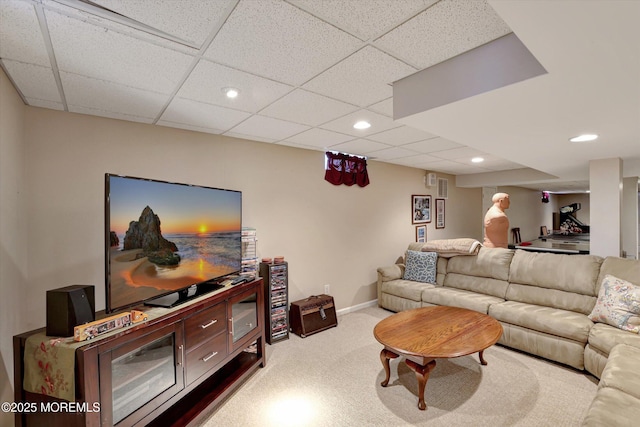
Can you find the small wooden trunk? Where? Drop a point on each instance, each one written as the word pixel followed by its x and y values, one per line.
pixel 313 314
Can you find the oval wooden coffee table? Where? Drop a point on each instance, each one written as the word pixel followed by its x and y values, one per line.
pixel 425 334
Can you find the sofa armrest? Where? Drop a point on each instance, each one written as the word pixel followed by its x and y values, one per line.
pixel 385 274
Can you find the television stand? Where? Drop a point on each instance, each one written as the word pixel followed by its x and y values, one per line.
pixel 180 297
pixel 171 370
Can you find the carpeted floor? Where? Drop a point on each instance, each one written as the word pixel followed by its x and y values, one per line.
pixel 333 378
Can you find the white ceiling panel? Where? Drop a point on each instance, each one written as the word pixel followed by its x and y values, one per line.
pixel 191 20
pixel 207 81
pixel 320 138
pixel 85 49
pixel 100 95
pixel 345 124
pixel 45 104
pixel 430 38
pixel 212 117
pixel 392 153
pixel 461 153
pixel 416 161
pixel 364 19
pixel 432 145
pixel 383 107
pixel 277 40
pixel 401 135
pixel 34 81
pixel 20 36
pixel 307 108
pixel 451 167
pixel 359 146
pixel 364 78
pixel 267 127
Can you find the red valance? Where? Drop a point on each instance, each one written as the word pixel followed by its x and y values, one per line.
pixel 346 169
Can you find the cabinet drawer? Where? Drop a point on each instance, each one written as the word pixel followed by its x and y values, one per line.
pixel 205 357
pixel 205 324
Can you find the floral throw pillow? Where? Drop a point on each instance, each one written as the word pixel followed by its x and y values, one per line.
pixel 420 266
pixel 618 304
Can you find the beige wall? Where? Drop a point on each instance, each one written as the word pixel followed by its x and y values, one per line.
pixel 333 235
pixel 13 234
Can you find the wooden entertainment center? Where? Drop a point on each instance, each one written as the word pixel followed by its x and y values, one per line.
pixel 171 370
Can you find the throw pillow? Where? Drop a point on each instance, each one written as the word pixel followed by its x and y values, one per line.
pixel 420 266
pixel 618 304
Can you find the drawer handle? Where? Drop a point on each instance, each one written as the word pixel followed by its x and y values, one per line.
pixel 211 322
pixel 209 356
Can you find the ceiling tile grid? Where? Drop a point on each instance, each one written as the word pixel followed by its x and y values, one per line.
pixel 279 41
pixel 307 70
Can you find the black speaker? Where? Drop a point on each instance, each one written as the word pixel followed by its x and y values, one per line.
pixel 68 307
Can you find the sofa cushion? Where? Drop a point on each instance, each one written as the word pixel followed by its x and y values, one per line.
pixel 408 289
pixel 618 304
pixel 490 262
pixel 569 273
pixel 622 370
pixel 612 407
pixel 562 323
pixel 604 337
pixel 566 282
pixel 484 285
pixel 459 298
pixel 625 269
pixel 420 266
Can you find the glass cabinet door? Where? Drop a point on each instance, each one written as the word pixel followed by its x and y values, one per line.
pixel 138 372
pixel 244 317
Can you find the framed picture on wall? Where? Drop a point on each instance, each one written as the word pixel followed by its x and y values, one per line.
pixel 439 213
pixel 420 209
pixel 421 233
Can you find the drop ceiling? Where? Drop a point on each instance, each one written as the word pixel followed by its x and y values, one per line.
pixel 307 70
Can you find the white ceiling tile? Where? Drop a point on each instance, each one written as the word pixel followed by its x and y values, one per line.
pixel 20 36
pixel 89 50
pixel 296 145
pixel 345 124
pixel 105 96
pixel 416 160
pixel 109 114
pixel 391 153
pixel 267 127
pixel 277 40
pixel 461 153
pixel 430 37
pixel 359 146
pixel 383 107
pixel 249 137
pixel 34 81
pixel 45 104
pixel 307 108
pixel 202 115
pixel 401 135
pixel 432 145
pixel 207 81
pixel 451 167
pixel 363 78
pixel 191 20
pixel 319 138
pixel 189 127
pixel 364 19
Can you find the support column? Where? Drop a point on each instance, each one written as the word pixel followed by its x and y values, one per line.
pixel 605 223
pixel 630 217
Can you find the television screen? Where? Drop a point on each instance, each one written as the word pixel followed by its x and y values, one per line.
pixel 162 238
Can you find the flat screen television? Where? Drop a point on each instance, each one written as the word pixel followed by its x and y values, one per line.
pixel 167 242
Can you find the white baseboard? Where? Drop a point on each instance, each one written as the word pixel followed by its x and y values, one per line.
pixel 357 307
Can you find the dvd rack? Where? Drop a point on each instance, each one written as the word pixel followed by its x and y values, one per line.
pixel 275 278
pixel 249 253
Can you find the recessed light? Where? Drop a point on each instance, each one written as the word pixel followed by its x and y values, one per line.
pixel 584 137
pixel 362 124
pixel 230 92
pixel 477 160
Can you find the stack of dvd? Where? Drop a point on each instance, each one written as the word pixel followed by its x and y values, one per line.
pixel 249 253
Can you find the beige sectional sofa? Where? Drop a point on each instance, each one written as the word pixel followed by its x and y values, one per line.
pixel 543 302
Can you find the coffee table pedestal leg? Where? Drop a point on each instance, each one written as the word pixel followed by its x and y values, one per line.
pixel 422 374
pixel 482 361
pixel 385 355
